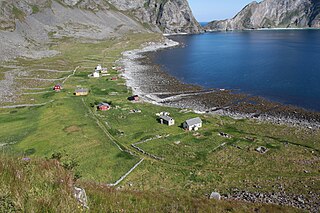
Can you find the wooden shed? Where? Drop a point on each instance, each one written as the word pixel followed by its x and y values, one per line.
pixel 104 106
pixel 57 87
pixel 164 119
pixel 81 92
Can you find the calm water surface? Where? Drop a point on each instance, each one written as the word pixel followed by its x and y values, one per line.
pixel 283 66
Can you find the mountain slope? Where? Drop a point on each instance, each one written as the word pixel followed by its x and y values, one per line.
pixel 169 16
pixel 26 26
pixel 273 14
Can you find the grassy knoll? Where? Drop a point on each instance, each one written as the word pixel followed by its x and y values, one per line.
pixel 193 165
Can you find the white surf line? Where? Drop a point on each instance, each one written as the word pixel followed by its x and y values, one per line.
pixel 74 72
pixel 25 105
pixel 125 175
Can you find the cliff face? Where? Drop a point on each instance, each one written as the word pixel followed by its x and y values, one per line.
pixel 169 16
pixel 27 25
pixel 273 14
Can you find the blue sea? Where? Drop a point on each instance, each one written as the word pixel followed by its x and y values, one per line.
pixel 279 65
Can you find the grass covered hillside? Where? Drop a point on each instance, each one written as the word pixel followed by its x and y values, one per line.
pixel 70 143
pixel 37 185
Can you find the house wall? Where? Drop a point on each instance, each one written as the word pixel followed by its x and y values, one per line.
pixel 190 128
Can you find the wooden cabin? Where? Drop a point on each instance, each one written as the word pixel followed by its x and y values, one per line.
pixel 164 119
pixel 104 106
pixel 81 92
pixel 57 87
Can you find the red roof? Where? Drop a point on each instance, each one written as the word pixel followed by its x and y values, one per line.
pixel 104 107
pixel 57 87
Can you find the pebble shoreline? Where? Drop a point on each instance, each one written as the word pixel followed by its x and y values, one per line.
pixel 155 86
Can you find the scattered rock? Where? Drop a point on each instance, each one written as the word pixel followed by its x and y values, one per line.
pixel 215 195
pixel 262 149
pixel 80 195
pixel 225 135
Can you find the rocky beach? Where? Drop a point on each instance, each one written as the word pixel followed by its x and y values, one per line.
pixel 156 86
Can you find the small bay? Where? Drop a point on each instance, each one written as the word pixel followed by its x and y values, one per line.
pixel 279 65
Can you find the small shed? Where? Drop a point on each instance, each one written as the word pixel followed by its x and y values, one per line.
pixel 99 68
pixel 104 106
pixel 81 92
pixel 164 119
pixel 96 74
pixel 104 71
pixel 134 98
pixel 192 124
pixel 57 87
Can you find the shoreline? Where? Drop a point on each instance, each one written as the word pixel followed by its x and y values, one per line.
pixel 156 86
pixel 262 29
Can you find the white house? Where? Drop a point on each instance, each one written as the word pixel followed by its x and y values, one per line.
pixel 164 119
pixel 99 68
pixel 96 74
pixel 192 124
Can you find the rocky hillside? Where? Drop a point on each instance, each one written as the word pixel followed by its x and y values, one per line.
pixel 169 16
pixel 27 25
pixel 273 14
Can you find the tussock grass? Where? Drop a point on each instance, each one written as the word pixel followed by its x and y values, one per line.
pixel 35 186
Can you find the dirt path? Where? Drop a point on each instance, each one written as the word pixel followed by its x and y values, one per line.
pixel 74 72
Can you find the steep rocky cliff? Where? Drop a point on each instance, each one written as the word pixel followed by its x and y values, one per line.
pixel 169 16
pixel 27 25
pixel 273 14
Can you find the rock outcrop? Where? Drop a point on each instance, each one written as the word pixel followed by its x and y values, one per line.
pixel 168 16
pixel 273 14
pixel 27 25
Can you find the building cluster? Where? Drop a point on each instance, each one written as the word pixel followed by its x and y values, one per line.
pixel 192 124
pixel 99 71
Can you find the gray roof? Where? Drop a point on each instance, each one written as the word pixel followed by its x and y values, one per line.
pixel 82 90
pixel 103 104
pixel 193 121
pixel 166 118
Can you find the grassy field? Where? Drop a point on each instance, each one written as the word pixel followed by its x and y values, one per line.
pixel 194 163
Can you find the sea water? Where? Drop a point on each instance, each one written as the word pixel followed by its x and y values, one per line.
pixel 279 65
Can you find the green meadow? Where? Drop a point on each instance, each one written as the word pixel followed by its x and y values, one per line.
pixel 193 164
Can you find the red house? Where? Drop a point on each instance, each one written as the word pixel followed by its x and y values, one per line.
pixel 104 106
pixel 57 87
